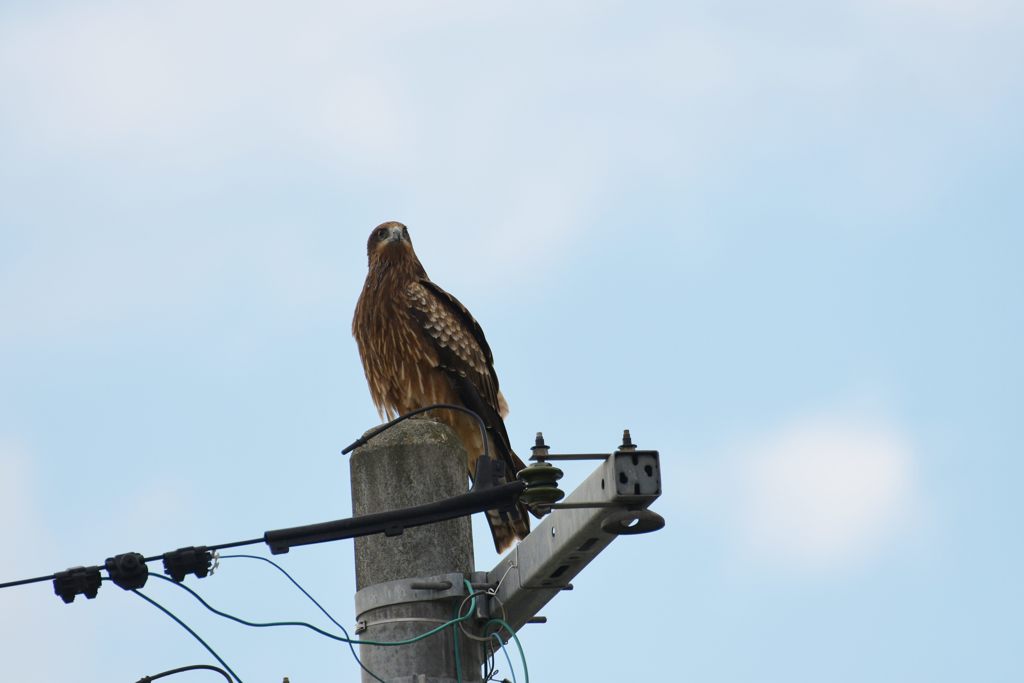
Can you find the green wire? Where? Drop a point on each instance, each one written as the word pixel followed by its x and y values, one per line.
pixel 453 623
pixel 409 641
pixel 295 583
pixel 455 639
pixel 187 628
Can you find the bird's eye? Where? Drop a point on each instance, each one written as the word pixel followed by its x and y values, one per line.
pixel 405 231
pixel 382 233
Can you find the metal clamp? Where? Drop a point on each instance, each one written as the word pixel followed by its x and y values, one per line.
pixel 362 625
pixel 414 589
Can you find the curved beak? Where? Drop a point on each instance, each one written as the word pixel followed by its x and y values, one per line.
pixel 395 233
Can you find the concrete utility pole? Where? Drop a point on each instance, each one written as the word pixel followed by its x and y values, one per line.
pixel 410 583
pixel 415 581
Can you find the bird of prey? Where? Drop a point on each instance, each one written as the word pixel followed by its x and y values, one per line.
pixel 420 346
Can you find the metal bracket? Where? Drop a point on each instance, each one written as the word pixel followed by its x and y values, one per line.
pixel 363 624
pixel 612 501
pixel 416 589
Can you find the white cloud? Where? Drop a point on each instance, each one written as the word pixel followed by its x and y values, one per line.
pixel 826 490
pixel 440 108
pixel 818 493
pixel 151 88
pixel 361 82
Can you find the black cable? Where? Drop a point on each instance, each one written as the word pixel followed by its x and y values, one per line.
pixel 153 558
pixel 281 569
pixel 235 544
pixel 186 627
pixel 361 441
pixel 490 665
pixel 193 667
pixel 357 443
pixel 214 548
pixel 22 582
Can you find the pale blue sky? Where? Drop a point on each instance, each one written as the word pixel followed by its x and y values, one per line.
pixel 779 242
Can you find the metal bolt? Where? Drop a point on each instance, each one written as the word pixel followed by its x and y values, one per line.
pixel 540 449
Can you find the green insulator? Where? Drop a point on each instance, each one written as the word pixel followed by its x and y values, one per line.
pixel 541 487
pixel 541 496
pixel 539 474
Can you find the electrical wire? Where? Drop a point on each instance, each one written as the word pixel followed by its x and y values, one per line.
pixel 361 441
pixel 355 444
pixel 489 664
pixel 431 632
pixel 183 669
pixel 152 558
pixel 186 627
pixel 456 622
pixel 24 582
pixel 215 548
pixel 455 641
pixel 314 601
pixel 453 623
pixel 504 615
pixel 507 658
pixel 239 620
pixel 311 627
pixel 522 655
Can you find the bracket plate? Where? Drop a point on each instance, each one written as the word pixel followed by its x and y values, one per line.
pixel 569 538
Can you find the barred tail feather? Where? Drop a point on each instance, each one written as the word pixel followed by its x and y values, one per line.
pixel 506 531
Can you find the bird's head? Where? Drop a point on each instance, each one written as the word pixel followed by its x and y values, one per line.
pixel 388 239
pixel 390 249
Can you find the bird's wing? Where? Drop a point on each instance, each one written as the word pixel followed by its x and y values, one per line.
pixel 463 353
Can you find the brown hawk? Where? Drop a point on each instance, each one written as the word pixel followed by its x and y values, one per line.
pixel 420 346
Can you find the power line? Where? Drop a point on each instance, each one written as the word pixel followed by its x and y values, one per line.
pixel 129 570
pixel 25 582
pixel 455 622
pixel 187 628
pixel 281 569
pixel 363 440
pixel 183 669
pixel 315 629
pixel 488 493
